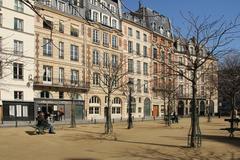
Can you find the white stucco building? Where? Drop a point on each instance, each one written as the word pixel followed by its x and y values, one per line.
pixel 17 60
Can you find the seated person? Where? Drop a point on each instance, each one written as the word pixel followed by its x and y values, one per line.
pixel 43 123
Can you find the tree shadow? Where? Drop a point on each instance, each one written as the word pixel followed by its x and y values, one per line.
pixel 31 133
pixel 235 141
pixel 80 159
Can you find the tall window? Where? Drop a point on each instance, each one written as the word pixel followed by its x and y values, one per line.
pixel 114 42
pixel 18 47
pixel 95 36
pixel 74 53
pixel 105 20
pixel 95 16
pixel 114 23
pixel 74 31
pixel 114 60
pixel 130 31
pixel 181 90
pixel 18 95
pixel 47 73
pixel 95 57
pixel 145 86
pixel 180 60
pixel 61 27
pixel 130 66
pixel 162 56
pixel 47 47
pixel 113 9
pixel 181 74
pixel 74 76
pixel 130 46
pixel 17 71
pixel 18 24
pixel 61 50
pixel 139 85
pixel 47 24
pixel 61 75
pixel 61 6
pixel 145 68
pixel 138 35
pixel 169 58
pixel 145 37
pixel 154 52
pixel 145 51
pixel 138 48
pixel 18 6
pixel 155 69
pixel 105 39
pixel 138 67
pixel 105 59
pixel 96 80
pixel 1 73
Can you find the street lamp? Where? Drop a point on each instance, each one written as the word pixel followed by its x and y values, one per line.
pixel 130 122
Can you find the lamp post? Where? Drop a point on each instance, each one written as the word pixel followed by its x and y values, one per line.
pixel 130 122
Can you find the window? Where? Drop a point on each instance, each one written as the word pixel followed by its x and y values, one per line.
pixel 17 71
pixel 94 105
pixel 74 31
pixel 169 58
pixel 105 60
pixel 47 47
pixel 114 61
pixel 61 27
pixel 138 67
pixel 155 53
pixel 95 57
pixel 94 110
pixel 180 60
pixel 47 24
pixel 114 23
pixel 138 35
pixel 129 31
pixel 45 94
pixel 145 37
pixel 145 86
pixel 130 66
pixel 0 19
pixel 95 16
pixel 18 6
pixel 18 47
pixel 104 5
pixel 181 90
pixel 74 76
pixel 191 50
pixel 18 95
pixel 105 20
pixel 162 56
pixel 61 6
pixel 181 74
pixel 95 36
pixel 61 50
pixel 93 2
pixel 132 81
pixel 105 39
pixel 61 95
pixel 1 73
pixel 116 110
pixel 155 69
pixel 145 68
pixel 145 51
pixel 18 24
pixel 74 53
pixel 113 9
pixel 61 75
pixel 139 110
pixel 202 77
pixel 202 90
pixel 130 46
pixel 47 73
pixel 139 85
pixel 138 48
pixel 114 42
pixel 96 78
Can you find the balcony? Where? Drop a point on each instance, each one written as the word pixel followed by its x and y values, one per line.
pixel 63 85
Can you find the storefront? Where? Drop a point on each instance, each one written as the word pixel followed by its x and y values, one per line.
pixel 18 110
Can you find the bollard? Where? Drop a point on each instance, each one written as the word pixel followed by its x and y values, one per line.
pixel 142 119
pixel 95 121
pixel 121 119
pixel 113 120
pixel 91 120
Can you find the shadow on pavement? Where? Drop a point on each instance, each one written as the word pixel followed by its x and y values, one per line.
pixel 31 133
pixel 80 159
pixel 235 141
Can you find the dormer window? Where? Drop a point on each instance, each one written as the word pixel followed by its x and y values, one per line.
pixel 168 34
pixel 104 5
pixel 154 26
pixel 113 9
pixel 161 30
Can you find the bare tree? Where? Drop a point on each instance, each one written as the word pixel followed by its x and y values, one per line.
pixel 110 76
pixel 229 80
pixel 204 40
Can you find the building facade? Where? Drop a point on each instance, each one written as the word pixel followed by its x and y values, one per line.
pixel 16 60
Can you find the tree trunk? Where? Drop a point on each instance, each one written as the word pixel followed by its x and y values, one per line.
pixel 168 109
pixel 232 112
pixel 194 113
pixel 164 105
pixel 73 121
pixel 108 123
pixel 209 108
pixel 130 122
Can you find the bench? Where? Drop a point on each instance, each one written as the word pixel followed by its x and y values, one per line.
pixel 234 128
pixel 231 130
pixel 39 129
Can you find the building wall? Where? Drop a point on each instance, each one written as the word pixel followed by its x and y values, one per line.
pixel 8 84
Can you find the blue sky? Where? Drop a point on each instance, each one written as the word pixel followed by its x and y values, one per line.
pixel 172 8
